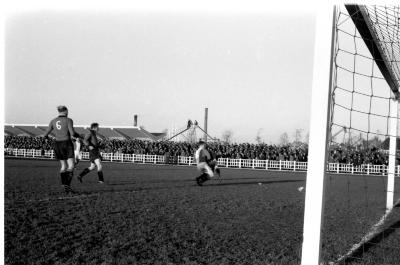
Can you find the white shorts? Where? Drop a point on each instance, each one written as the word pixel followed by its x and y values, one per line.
pixel 205 168
pixel 78 155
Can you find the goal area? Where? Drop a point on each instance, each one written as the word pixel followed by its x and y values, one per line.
pixel 354 219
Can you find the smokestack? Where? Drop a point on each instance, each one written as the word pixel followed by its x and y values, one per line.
pixel 135 120
pixel 205 123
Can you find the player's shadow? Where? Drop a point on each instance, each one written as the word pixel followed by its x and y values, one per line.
pixel 252 182
pixel 259 178
pixel 132 186
pixel 122 183
pixel 373 242
pixel 128 189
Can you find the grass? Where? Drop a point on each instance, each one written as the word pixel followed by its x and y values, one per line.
pixel 149 214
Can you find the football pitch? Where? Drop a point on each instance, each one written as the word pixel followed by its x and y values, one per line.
pixel 155 214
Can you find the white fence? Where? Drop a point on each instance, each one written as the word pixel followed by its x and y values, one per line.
pixel 222 162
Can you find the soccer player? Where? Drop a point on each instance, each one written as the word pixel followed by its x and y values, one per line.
pixel 63 129
pixel 202 157
pixel 94 153
pixel 77 151
pixel 213 164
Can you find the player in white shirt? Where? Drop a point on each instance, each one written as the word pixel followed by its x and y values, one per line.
pixel 77 150
pixel 202 158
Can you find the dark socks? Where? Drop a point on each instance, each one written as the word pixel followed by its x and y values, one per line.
pixel 64 177
pixel 69 176
pixel 84 172
pixel 100 175
pixel 201 179
pixel 87 170
pixel 204 177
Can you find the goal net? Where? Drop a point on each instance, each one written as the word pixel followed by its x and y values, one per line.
pixel 360 213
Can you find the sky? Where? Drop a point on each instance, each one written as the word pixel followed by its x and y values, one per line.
pixel 252 70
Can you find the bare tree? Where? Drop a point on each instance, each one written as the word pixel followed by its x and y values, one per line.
pixel 375 141
pixel 258 136
pixel 307 138
pixel 298 135
pixel 227 136
pixel 284 139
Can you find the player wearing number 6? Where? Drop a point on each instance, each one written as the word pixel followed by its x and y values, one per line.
pixel 63 130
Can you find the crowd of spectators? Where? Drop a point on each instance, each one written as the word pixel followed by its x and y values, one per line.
pixel 357 156
pixel 25 142
pixel 338 154
pixel 244 150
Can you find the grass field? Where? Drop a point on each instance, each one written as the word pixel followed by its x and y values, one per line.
pixel 149 214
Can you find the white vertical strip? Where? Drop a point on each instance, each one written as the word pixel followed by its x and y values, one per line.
pixel 319 131
pixel 392 153
pixel 2 116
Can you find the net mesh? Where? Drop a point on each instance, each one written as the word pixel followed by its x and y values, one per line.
pixel 356 229
pixel 384 22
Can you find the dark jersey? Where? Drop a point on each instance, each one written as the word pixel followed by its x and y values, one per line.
pixel 91 139
pixel 212 155
pixel 62 128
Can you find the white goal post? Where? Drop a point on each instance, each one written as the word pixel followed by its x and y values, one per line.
pixel 318 140
pixel 321 108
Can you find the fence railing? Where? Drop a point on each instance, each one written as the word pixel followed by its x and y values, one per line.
pixel 368 169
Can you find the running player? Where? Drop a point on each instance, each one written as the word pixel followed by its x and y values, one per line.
pixel 63 129
pixel 202 157
pixel 91 141
pixel 213 164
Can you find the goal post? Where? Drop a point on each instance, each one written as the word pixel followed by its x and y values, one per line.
pixel 392 154
pixel 355 92
pixel 319 133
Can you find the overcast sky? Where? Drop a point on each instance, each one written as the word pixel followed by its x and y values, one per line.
pixel 252 70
